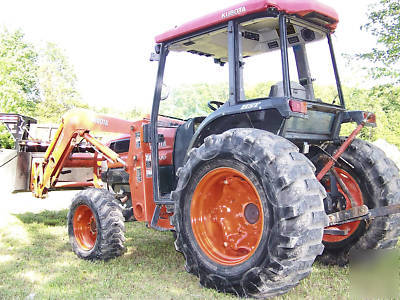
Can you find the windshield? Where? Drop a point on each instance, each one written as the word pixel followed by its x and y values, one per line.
pixel 311 72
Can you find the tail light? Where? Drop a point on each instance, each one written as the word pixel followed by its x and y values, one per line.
pixel 369 117
pixel 298 106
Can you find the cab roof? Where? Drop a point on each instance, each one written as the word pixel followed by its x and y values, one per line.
pixel 308 9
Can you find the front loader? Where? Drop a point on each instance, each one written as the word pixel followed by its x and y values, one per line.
pixel 31 141
pixel 257 189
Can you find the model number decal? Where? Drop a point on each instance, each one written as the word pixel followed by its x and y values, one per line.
pixel 139 174
pixel 233 12
pixel 149 171
pixel 137 139
pixel 250 105
pixel 100 121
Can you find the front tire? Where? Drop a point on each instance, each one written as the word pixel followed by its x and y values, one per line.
pixel 249 214
pixel 95 225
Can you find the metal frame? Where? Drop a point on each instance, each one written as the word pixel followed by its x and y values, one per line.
pixel 284 55
pixel 235 63
pixel 21 128
pixel 335 69
pixel 154 127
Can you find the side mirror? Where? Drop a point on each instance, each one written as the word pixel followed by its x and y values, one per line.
pixel 154 56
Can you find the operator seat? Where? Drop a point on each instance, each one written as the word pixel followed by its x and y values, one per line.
pixel 298 91
pixel 183 137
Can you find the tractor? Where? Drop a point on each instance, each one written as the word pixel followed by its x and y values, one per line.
pixel 256 190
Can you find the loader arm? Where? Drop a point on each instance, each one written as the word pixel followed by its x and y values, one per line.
pixel 75 126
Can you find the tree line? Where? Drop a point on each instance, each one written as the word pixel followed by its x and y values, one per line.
pixel 38 82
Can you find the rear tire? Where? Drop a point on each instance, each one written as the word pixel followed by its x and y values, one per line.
pixel 95 225
pixel 379 183
pixel 279 251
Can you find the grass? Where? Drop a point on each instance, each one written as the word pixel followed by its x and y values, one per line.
pixel 36 261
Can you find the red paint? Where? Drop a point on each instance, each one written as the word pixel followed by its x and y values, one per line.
pixel 299 7
pixel 165 149
pixel 81 160
pixel 140 180
pixel 72 184
pixel 339 152
pixel 356 193
pixel 218 218
pixel 85 228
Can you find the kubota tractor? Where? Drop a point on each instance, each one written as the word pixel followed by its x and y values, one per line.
pixel 259 188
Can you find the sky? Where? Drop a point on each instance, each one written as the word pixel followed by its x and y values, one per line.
pixel 109 42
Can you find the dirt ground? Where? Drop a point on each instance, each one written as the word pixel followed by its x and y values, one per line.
pixel 22 202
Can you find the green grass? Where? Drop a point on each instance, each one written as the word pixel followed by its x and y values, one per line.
pixel 36 260
pixel 51 218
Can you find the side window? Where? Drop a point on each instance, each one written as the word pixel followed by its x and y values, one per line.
pixel 121 146
pixel 112 146
pixel 196 73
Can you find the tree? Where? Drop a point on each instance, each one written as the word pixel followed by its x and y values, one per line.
pixel 191 100
pixel 6 140
pixel 40 84
pixel 18 78
pixel 384 97
pixel 18 74
pixel 384 24
pixel 57 85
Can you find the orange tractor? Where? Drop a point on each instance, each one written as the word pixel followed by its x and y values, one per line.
pixel 254 191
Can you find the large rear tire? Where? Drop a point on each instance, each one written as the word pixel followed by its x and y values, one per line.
pixel 95 225
pixel 372 179
pixel 249 213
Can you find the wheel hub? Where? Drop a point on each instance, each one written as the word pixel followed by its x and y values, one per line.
pixel 93 227
pixel 225 216
pixel 342 202
pixel 251 213
pixel 85 227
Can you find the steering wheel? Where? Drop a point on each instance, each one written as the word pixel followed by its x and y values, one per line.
pixel 214 105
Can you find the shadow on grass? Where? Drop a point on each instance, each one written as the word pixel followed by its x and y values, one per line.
pixel 43 264
pixel 47 217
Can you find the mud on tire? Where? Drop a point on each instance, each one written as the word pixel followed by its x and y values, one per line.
pixel 292 207
pixel 95 225
pixel 379 181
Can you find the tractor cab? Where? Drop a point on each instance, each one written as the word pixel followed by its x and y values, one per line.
pixel 257 37
pixel 253 28
pixel 233 36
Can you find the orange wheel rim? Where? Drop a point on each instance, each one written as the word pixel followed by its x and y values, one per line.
pixel 227 216
pixel 356 193
pixel 85 228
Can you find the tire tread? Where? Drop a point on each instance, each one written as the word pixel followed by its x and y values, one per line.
pixel 296 195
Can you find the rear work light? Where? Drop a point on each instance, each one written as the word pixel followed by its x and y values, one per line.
pixel 298 106
pixel 369 118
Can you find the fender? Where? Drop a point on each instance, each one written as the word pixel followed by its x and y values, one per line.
pixel 242 115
